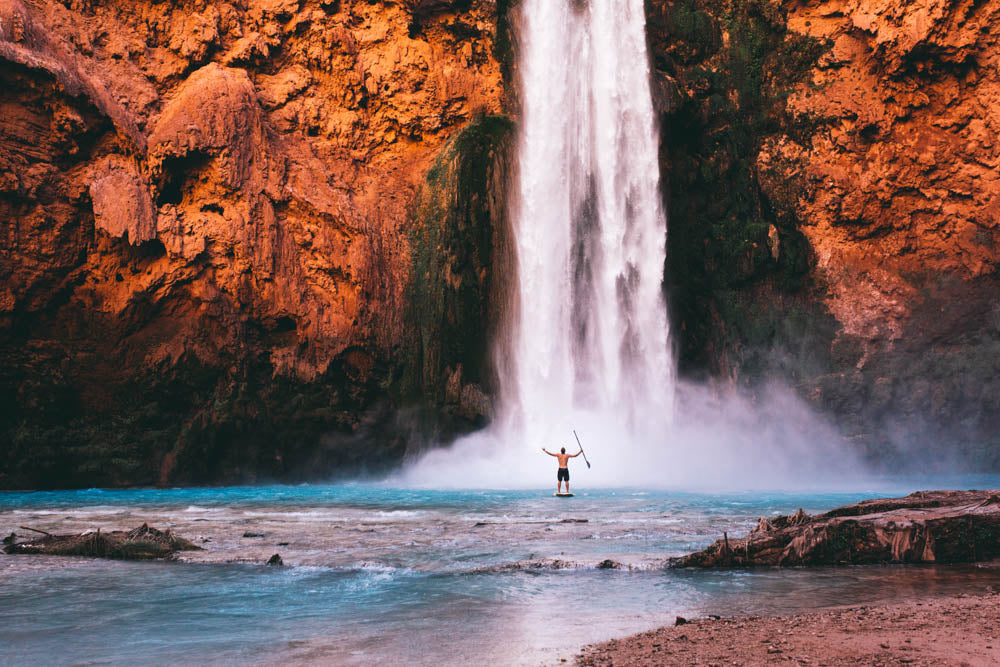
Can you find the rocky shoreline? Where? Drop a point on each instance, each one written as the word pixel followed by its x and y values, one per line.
pixel 923 527
pixel 959 630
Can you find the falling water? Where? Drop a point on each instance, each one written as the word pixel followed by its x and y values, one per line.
pixel 591 342
pixel 588 342
pixel 588 349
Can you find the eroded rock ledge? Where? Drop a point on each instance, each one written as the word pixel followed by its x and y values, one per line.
pixel 923 527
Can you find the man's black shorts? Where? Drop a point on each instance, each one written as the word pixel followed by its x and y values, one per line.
pixel 562 475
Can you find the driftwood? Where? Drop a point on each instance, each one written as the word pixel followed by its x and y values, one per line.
pixel 924 527
pixel 142 543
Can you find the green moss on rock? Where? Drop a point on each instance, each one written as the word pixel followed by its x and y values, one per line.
pixel 458 243
pixel 504 43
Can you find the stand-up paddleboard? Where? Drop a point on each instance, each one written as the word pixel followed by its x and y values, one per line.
pixel 563 495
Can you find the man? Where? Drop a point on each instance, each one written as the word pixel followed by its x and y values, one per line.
pixel 563 473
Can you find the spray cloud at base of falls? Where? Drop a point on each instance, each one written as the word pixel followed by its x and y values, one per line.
pixel 588 346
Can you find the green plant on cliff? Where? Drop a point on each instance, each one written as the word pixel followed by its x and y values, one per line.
pixel 459 221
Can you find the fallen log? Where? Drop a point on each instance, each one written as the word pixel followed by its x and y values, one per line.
pixel 923 527
pixel 141 543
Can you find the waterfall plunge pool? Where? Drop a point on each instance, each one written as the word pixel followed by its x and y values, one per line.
pixel 386 575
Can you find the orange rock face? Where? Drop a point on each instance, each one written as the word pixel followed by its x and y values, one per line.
pixel 239 237
pixel 904 180
pixel 210 182
pixel 835 210
pixel 900 203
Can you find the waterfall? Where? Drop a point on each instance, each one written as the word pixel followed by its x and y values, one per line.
pixel 589 338
pixel 587 345
pixel 592 333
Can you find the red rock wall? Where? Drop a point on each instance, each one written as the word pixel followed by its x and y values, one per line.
pixel 219 243
pixel 900 203
pixel 835 210
pixel 216 185
pixel 903 182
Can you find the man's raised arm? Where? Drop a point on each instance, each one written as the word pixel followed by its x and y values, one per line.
pixel 577 454
pixel 548 452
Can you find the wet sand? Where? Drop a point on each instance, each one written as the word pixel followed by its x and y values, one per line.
pixel 960 630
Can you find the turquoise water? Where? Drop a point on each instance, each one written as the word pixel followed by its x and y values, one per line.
pixel 379 574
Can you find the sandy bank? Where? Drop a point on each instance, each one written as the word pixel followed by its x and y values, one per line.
pixel 962 630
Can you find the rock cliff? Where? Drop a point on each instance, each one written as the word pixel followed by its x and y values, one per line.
pixel 835 206
pixel 266 239
pixel 207 211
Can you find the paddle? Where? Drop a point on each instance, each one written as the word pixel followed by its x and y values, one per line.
pixel 581 447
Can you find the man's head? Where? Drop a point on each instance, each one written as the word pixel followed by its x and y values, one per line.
pixel 562 450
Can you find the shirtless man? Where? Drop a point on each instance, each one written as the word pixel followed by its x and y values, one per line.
pixel 563 472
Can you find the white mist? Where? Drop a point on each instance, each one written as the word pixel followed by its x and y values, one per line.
pixel 590 341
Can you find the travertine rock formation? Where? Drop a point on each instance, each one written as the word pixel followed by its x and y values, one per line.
pixel 206 216
pixel 835 214
pixel 142 543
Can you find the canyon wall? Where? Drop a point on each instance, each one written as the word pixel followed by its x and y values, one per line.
pixel 208 212
pixel 835 202
pixel 268 239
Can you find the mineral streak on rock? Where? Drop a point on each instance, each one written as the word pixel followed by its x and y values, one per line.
pixel 923 527
pixel 205 260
